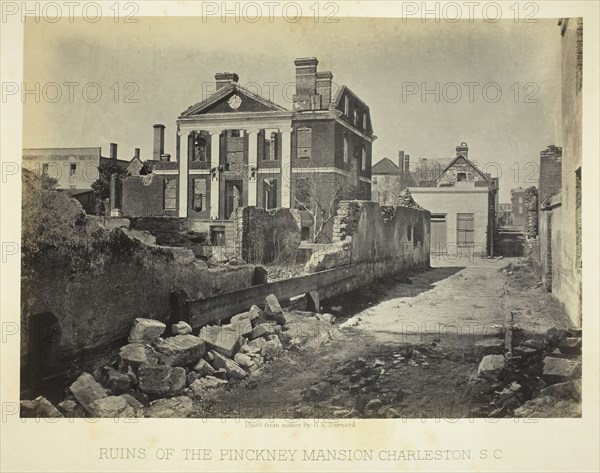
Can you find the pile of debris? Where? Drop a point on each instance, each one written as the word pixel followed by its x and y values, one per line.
pixel 405 199
pixel 154 376
pixel 534 377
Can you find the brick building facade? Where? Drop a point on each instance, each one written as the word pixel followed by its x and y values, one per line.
pixel 560 218
pixel 463 204
pixel 237 149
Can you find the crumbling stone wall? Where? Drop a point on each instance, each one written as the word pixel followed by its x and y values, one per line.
pixel 266 236
pixel 531 204
pixel 97 306
pixel 378 246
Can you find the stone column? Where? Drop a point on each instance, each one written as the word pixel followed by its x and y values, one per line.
pixel 214 176
pixel 286 167
pixel 183 173
pixel 252 167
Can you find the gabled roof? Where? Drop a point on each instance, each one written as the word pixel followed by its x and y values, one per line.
pixel 461 156
pixel 120 162
pixel 385 166
pixel 224 93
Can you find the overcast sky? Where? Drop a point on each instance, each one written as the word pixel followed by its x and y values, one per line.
pixel 164 64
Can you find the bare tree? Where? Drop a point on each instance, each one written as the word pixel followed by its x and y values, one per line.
pixel 319 195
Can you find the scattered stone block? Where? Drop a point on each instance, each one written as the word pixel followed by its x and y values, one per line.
pixel 146 331
pixel 262 330
pixel 161 380
pixel 257 316
pixel 555 335
pixel 272 349
pixel 182 255
pixel 209 382
pixel 136 354
pixel 111 406
pixel 524 352
pixel 180 406
pixel 243 360
pixel 328 318
pixel 489 346
pixel 118 382
pixel 87 390
pixel 491 366
pixel 40 407
pixel 132 401
pixel 181 328
pixel 548 406
pixel 180 350
pixel 558 370
pixel 203 368
pixel 70 408
pixel 224 340
pixel 273 310
pixel 570 346
pixel 231 367
pixel 570 390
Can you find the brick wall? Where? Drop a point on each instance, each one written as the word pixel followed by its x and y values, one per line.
pixel 378 247
pixel 266 236
pixel 550 171
pixel 142 196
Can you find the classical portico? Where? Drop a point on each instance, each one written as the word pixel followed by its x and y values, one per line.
pixel 249 167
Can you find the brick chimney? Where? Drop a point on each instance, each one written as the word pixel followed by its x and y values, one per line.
pixel 159 141
pixel 401 160
pixel 225 78
pixel 306 83
pixel 113 151
pixel 462 149
pixel 136 153
pixel 406 163
pixel 324 87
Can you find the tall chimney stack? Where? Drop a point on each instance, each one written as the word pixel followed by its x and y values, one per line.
pixel 225 78
pixel 306 82
pixel 113 151
pixel 159 141
pixel 324 80
pixel 462 149
pixel 136 153
pixel 401 160
pixel 406 163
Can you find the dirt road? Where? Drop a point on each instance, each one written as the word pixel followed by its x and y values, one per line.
pixel 413 349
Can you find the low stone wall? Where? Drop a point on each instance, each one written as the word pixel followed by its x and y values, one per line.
pixel 96 307
pixel 379 241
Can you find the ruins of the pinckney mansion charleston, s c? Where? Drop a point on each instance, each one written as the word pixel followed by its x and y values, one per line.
pixel 237 149
pixel 270 241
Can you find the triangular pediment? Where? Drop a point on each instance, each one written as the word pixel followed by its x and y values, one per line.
pixel 461 161
pixel 233 99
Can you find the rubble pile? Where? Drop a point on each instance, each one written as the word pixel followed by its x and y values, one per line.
pixel 154 376
pixel 534 377
pixel 405 199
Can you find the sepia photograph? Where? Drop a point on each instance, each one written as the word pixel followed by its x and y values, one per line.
pixel 287 219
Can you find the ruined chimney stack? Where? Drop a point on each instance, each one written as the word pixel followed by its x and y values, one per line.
pixel 113 151
pixel 225 78
pixel 324 80
pixel 406 163
pixel 159 141
pixel 306 83
pixel 136 153
pixel 401 160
